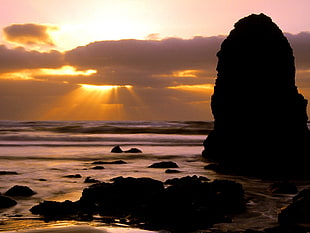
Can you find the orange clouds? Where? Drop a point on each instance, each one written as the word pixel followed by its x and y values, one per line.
pixel 170 79
pixel 30 34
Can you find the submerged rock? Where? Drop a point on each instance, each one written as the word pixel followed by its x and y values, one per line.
pixel 164 164
pixel 6 202
pixel 18 190
pixel 112 162
pixel 8 173
pixel 260 119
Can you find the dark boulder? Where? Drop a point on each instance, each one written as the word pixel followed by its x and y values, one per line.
pixel 164 164
pixel 298 212
pixel 73 176
pixel 260 119
pixel 122 197
pixel 133 150
pixel 91 180
pixel 283 187
pixel 169 171
pixel 19 190
pixel 6 202
pixel 116 149
pixel 98 168
pixel 185 204
pixel 112 162
pixel 58 210
pixel 8 173
pixel 190 203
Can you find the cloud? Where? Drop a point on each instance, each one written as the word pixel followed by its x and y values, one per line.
pixel 301 48
pixel 29 34
pixel 12 60
pixel 149 62
pixel 171 78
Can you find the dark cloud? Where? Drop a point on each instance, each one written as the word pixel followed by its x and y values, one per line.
pixel 301 48
pixel 29 34
pixel 12 60
pixel 148 62
pixel 155 56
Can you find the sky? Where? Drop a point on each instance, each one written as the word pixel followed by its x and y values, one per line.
pixel 127 59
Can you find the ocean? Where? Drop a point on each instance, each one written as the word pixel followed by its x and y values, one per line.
pixel 45 156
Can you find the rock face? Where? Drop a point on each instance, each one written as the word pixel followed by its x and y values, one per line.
pixel 260 119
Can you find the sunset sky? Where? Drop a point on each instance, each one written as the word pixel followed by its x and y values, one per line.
pixel 127 59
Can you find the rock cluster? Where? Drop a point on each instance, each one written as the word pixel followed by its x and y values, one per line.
pixel 181 204
pixel 260 118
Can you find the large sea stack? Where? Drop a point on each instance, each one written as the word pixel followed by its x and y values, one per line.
pixel 260 119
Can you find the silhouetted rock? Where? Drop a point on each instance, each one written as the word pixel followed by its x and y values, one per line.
pixel 98 168
pixel 56 210
pixel 6 202
pixel 172 171
pixel 133 150
pixel 186 204
pixel 116 149
pixel 90 180
pixel 260 119
pixel 73 176
pixel 164 164
pixel 19 190
pixel 298 212
pixel 8 173
pixel 112 162
pixel 283 187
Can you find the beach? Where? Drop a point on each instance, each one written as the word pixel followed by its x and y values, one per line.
pixel 55 158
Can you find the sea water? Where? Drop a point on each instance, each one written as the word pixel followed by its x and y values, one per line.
pixel 45 153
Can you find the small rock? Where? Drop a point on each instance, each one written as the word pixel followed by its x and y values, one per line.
pixel 113 162
pixel 98 168
pixel 283 188
pixel 8 173
pixel 42 179
pixel 133 150
pixel 172 171
pixel 164 164
pixel 18 190
pixel 116 149
pixel 73 176
pixel 6 202
pixel 90 180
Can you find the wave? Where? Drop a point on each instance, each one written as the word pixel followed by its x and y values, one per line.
pixel 109 127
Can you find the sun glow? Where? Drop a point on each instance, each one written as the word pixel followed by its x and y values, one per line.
pixel 198 87
pixel 103 87
pixel 182 74
pixel 67 70
pixel 92 102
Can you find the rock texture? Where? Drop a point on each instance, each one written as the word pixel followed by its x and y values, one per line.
pixel 260 119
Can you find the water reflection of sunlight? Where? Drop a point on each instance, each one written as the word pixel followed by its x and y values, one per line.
pixel 90 102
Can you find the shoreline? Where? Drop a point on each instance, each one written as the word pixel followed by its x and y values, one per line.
pixel 80 229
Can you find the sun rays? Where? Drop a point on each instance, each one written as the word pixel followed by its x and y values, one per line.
pixel 94 102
